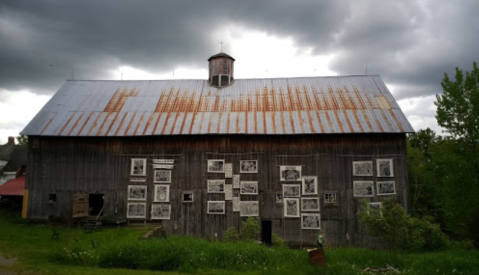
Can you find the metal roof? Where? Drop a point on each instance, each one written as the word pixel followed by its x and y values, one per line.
pixel 306 105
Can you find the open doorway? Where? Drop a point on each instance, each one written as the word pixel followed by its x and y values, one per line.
pixel 266 232
pixel 95 205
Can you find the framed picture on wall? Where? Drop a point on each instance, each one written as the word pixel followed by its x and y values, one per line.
pixel 216 207
pixel 291 190
pixel 136 192
pixel 291 207
pixel 363 189
pixel 160 211
pixel 249 208
pixel 279 198
pixel 162 193
pixel 311 221
pixel 216 166
pixel 385 167
pixel 310 185
pixel 216 186
pixel 136 210
pixel 162 176
pixel 188 196
pixel 138 167
pixel 362 168
pixel 249 188
pixel 290 173
pixel 386 188
pixel 309 204
pixel 248 166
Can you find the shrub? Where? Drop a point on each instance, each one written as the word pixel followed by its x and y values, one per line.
pixel 277 241
pixel 250 229
pixel 425 236
pixel 231 235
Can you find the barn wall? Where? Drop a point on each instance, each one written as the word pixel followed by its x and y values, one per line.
pixel 67 166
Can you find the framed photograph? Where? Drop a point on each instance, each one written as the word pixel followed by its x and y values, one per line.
pixel 375 205
pixel 386 188
pixel 363 168
pixel 138 167
pixel 228 192
pixel 228 170
pixel 310 185
pixel 216 166
pixel 291 191
pixel 236 207
pixel 311 221
pixel 216 186
pixel 385 167
pixel 137 192
pixel 330 198
pixel 136 210
pixel 290 173
pixel 363 189
pixel 248 166
pixel 160 211
pixel 236 181
pixel 162 193
pixel 249 188
pixel 279 198
pixel 249 208
pixel 188 196
pixel 291 208
pixel 162 176
pixel 309 204
pixel 216 207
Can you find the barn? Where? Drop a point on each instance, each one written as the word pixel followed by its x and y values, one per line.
pixel 200 156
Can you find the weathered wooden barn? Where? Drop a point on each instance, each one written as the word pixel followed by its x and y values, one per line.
pixel 200 156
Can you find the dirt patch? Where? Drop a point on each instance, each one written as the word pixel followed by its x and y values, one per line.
pixel 4 262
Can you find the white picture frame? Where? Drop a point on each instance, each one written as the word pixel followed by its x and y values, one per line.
pixel 216 186
pixel 136 210
pixel 363 188
pixel 162 176
pixel 160 211
pixel 291 207
pixel 137 192
pixel 249 166
pixel 249 208
pixel 138 167
pixel 309 185
pixel 162 193
pixel 228 170
pixel 290 173
pixel 385 168
pixel 310 204
pixel 375 205
pixel 216 207
pixel 249 188
pixel 291 191
pixel 311 221
pixel 188 196
pixel 385 188
pixel 363 168
pixel 216 166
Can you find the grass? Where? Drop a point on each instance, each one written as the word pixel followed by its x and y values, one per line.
pixel 119 251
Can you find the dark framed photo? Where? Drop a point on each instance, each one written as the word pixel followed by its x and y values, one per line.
pixel 162 176
pixel 160 211
pixel 363 189
pixel 386 188
pixel 330 198
pixel 309 204
pixel 136 210
pixel 310 185
pixel 248 166
pixel 216 186
pixel 188 196
pixel 385 167
pixel 311 221
pixel 362 168
pixel 249 208
pixel 216 207
pixel 279 198
pixel 290 173
pixel 138 167
pixel 249 188
pixel 291 208
pixel 137 192
pixel 216 166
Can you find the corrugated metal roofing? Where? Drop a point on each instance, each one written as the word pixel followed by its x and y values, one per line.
pixel 309 105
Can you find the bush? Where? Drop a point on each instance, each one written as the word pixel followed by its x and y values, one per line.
pixel 250 229
pixel 277 241
pixel 231 235
pixel 425 236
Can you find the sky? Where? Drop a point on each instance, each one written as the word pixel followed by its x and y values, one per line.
pixel 410 44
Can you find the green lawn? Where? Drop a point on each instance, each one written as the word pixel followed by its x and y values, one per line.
pixel 78 252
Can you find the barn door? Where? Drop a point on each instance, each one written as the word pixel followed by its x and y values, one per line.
pixel 80 205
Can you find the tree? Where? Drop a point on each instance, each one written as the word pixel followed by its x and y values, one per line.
pixel 22 140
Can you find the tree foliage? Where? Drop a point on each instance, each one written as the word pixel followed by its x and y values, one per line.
pixel 22 140
pixel 250 229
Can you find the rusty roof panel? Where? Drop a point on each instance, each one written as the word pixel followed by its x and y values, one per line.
pixel 344 104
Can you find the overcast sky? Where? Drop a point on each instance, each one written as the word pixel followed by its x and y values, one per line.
pixel 411 44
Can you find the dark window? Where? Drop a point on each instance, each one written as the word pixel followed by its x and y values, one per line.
pixel 224 80
pixel 52 198
pixel 215 80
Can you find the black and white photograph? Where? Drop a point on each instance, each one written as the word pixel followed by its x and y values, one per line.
pixel 386 188
pixel 310 185
pixel 188 196
pixel 310 221
pixel 216 166
pixel 236 181
pixel 162 176
pixel 291 190
pixel 249 208
pixel 309 204
pixel 138 167
pixel 363 189
pixel 228 192
pixel 228 170
pixel 136 210
pixel 362 168
pixel 249 188
pixel 385 167
pixel 375 205
pixel 291 207
pixel 329 197
pixel 248 166
pixel 162 193
pixel 216 186
pixel 236 201
pixel 290 173
pixel 216 207
pixel 160 211
pixel 279 198
pixel 137 192
pixel 137 179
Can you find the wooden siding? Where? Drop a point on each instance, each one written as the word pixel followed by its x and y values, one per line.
pixel 68 166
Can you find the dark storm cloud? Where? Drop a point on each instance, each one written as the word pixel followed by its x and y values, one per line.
pixel 42 43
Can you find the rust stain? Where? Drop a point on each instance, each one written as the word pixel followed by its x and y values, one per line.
pixel 340 124
pixel 308 104
pixel 75 125
pixel 367 121
pixel 283 107
pixel 121 124
pixel 237 122
pixel 94 124
pixel 387 120
pixel 273 111
pixel 100 129
pixel 148 123
pixel 46 126
pixel 118 100
pixel 355 113
pixel 345 102
pixel 397 121
pixel 379 124
pixel 112 123
pixel 66 124
pixel 291 107
pixel 195 112
pixel 129 124
pixel 139 123
pixel 85 123
pixel 318 107
pixel 329 122
pixel 326 102
pixel 348 121
pixel 333 98
pixel 360 98
pixel 319 121
pixel 201 122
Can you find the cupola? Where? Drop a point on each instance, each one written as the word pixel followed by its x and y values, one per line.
pixel 221 70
